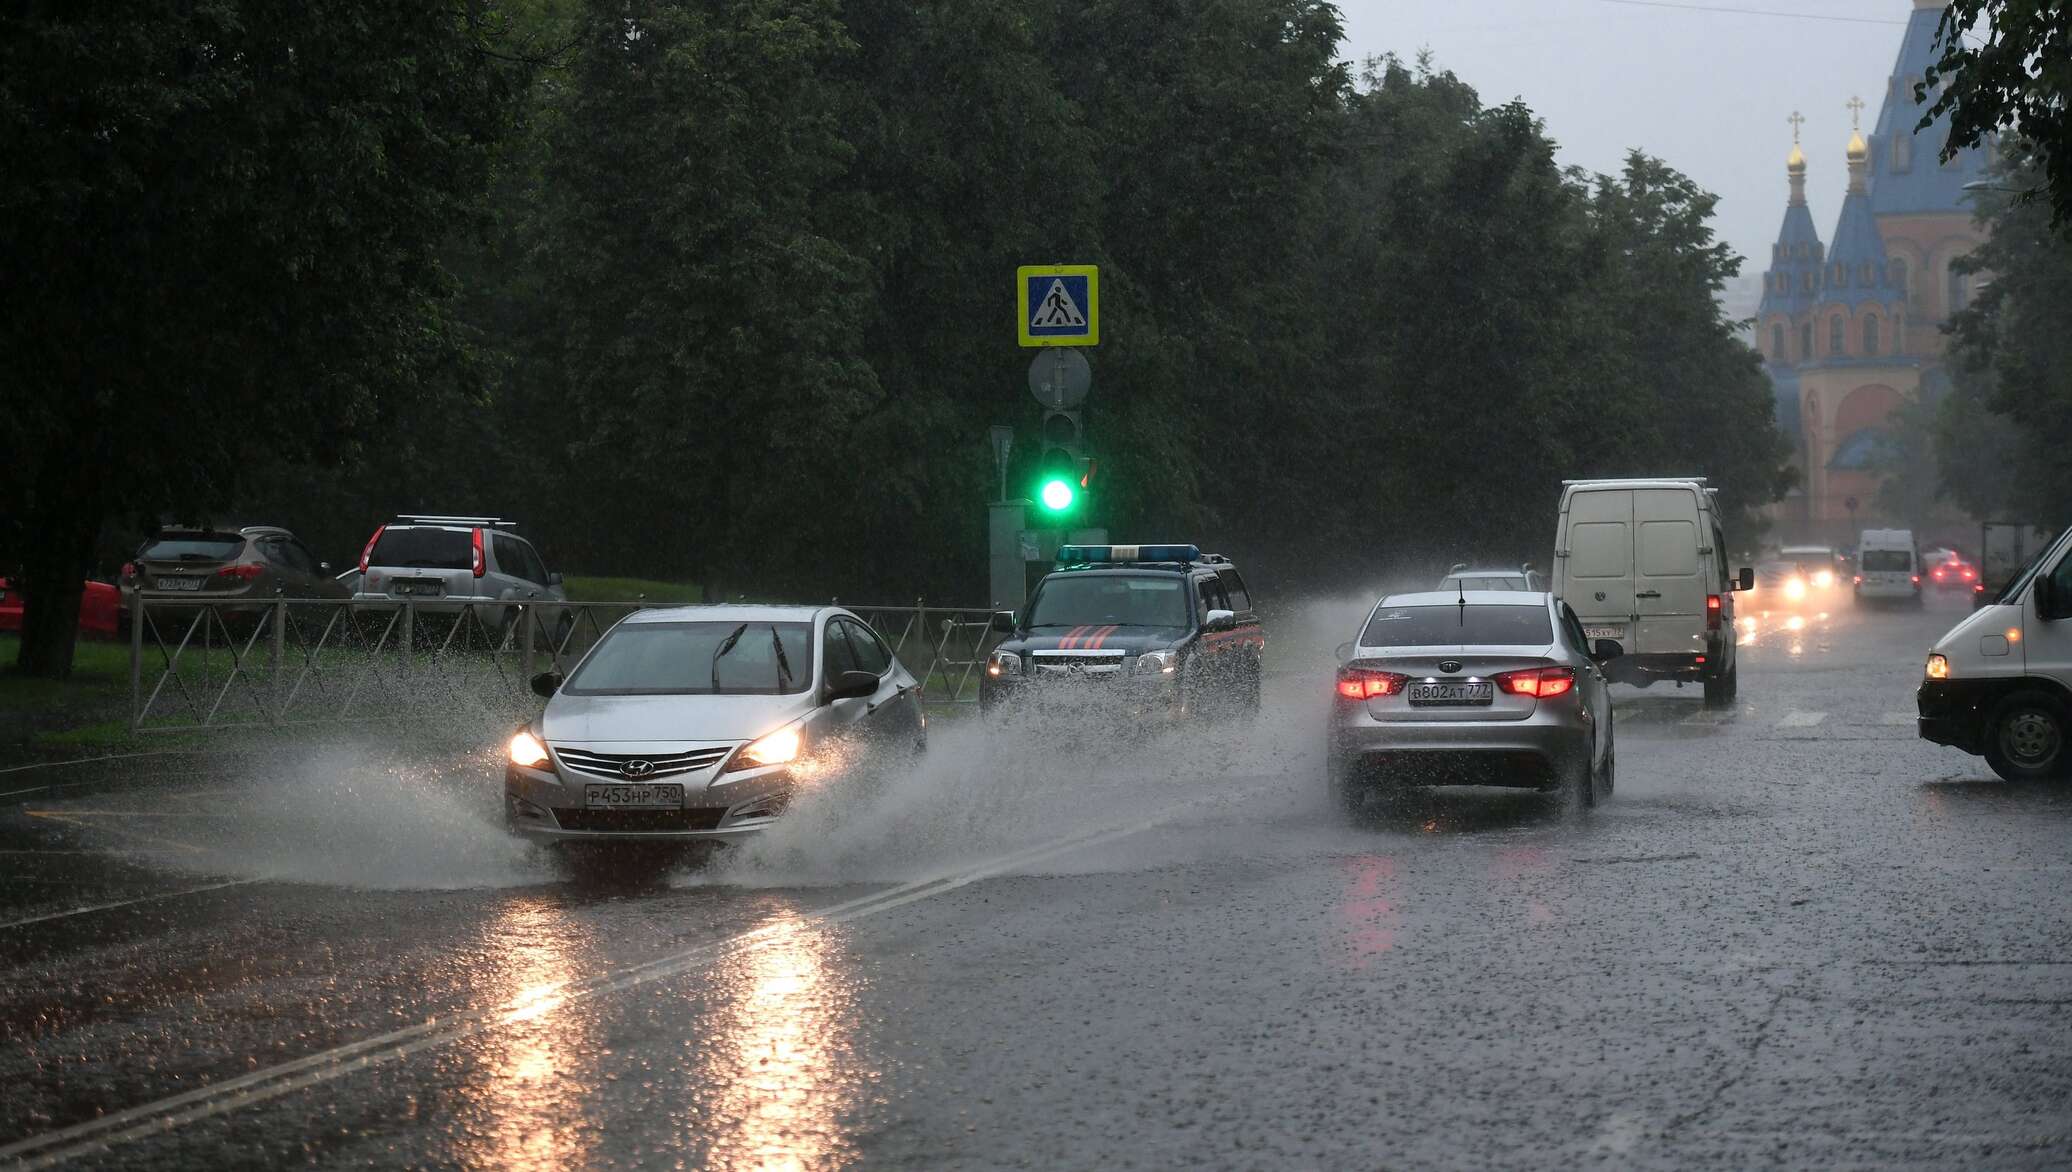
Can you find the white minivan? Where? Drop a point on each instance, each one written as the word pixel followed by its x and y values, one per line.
pixel 2000 683
pixel 1644 563
pixel 1888 566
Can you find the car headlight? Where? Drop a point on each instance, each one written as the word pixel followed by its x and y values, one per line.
pixel 1938 667
pixel 527 750
pixel 1824 579
pixel 779 748
pixel 1158 663
pixel 1795 588
pixel 1003 663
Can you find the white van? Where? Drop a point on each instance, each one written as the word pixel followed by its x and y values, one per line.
pixel 1888 566
pixel 1644 563
pixel 2000 683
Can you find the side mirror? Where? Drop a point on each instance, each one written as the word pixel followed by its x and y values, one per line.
pixel 546 683
pixel 1345 651
pixel 1003 621
pixel 1606 650
pixel 1219 620
pixel 554 578
pixel 851 685
pixel 1747 579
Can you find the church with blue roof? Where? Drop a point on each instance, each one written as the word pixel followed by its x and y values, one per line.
pixel 1852 329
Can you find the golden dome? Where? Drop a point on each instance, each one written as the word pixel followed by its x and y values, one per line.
pixel 1859 150
pixel 1795 162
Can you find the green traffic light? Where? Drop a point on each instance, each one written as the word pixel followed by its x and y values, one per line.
pixel 1057 494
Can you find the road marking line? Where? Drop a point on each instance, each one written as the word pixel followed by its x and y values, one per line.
pixel 1801 719
pixel 102 907
pixel 67 819
pixel 98 1135
pixel 92 760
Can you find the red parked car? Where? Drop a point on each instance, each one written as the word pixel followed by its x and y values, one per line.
pixel 100 609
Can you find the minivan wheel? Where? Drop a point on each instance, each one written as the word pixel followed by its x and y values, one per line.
pixel 2026 740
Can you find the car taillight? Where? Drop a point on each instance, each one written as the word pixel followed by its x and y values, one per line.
pixel 1859 579
pixel 240 573
pixel 478 566
pixel 1712 611
pixel 1966 574
pixel 368 553
pixel 1940 574
pixel 1543 682
pixel 1364 683
pixel 129 569
pixel 1917 579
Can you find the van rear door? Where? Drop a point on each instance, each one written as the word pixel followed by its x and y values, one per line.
pixel 1597 561
pixel 1668 573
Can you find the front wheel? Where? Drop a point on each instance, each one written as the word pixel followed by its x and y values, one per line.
pixel 2026 739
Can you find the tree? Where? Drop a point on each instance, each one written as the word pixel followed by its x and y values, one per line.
pixel 2019 80
pixel 232 211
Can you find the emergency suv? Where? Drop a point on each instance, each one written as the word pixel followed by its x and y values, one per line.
pixel 1162 628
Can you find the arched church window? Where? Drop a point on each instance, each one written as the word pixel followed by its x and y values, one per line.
pixel 1837 341
pixel 1902 151
pixel 1806 342
pixel 1868 275
pixel 1897 267
pixel 1870 335
pixel 1777 353
pixel 1807 282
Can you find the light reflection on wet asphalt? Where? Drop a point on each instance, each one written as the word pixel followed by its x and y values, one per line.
pixel 1795 935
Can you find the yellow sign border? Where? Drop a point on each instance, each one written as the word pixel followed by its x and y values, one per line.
pixel 1092 273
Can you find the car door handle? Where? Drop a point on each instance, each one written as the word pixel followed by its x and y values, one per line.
pixel 1647 594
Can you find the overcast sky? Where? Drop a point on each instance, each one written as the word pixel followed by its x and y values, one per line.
pixel 1709 92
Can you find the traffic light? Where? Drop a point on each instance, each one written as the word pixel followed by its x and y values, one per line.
pixel 1061 472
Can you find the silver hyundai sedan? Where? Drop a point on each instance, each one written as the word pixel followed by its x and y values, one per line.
pixel 1477 687
pixel 701 722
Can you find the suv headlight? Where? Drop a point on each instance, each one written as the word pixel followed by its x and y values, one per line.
pixel 527 750
pixel 1004 663
pixel 778 748
pixel 1158 663
pixel 1938 667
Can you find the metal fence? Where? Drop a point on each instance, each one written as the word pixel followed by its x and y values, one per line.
pixel 205 664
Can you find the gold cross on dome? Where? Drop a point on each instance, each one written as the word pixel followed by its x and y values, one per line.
pixel 1855 113
pixel 1797 120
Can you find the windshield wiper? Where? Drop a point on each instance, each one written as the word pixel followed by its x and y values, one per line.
pixel 783 665
pixel 725 646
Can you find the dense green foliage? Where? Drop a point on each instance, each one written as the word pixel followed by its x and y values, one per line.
pixel 2007 426
pixel 731 300
pixel 2012 77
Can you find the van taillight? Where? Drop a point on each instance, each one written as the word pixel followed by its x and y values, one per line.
pixel 1713 607
pixel 478 567
pixel 368 553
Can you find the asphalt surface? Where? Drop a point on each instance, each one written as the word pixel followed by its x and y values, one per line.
pixel 1796 935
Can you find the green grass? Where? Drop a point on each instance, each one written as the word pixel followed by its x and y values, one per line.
pixel 630 590
pixel 98 670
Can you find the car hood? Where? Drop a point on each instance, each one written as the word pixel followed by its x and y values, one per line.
pixel 600 719
pixel 1096 637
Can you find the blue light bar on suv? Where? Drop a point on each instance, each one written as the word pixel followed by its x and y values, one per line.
pixel 1085 554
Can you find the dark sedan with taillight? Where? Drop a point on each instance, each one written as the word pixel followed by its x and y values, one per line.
pixel 1482 687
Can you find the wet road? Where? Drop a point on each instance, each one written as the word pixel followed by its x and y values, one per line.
pixel 1796 935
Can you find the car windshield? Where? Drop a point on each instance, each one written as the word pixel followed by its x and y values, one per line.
pixel 720 658
pixel 426 549
pixel 1451 624
pixel 1888 561
pixel 192 547
pixel 1132 600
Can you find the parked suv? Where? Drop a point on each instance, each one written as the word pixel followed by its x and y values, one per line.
pixel 257 563
pixel 449 565
pixel 1156 628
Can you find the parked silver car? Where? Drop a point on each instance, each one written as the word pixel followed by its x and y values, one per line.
pixel 452 565
pixel 1485 687
pixel 701 722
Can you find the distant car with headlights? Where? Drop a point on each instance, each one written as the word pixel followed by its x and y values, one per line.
pixel 1485 687
pixel 1999 684
pixel 702 722
pixel 1159 629
pixel 1947 570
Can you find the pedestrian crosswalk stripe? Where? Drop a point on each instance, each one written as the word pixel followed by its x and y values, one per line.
pixel 1801 719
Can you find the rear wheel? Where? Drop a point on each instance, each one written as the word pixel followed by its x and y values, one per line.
pixel 2026 740
pixel 1720 689
pixel 1348 794
pixel 1586 780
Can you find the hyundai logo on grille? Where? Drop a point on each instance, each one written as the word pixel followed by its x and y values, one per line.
pixel 1449 665
pixel 637 768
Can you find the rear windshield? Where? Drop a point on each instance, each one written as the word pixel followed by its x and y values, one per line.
pixel 192 547
pixel 698 659
pixel 1451 624
pixel 427 549
pixel 1887 561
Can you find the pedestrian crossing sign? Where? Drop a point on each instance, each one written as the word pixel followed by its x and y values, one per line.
pixel 1058 305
